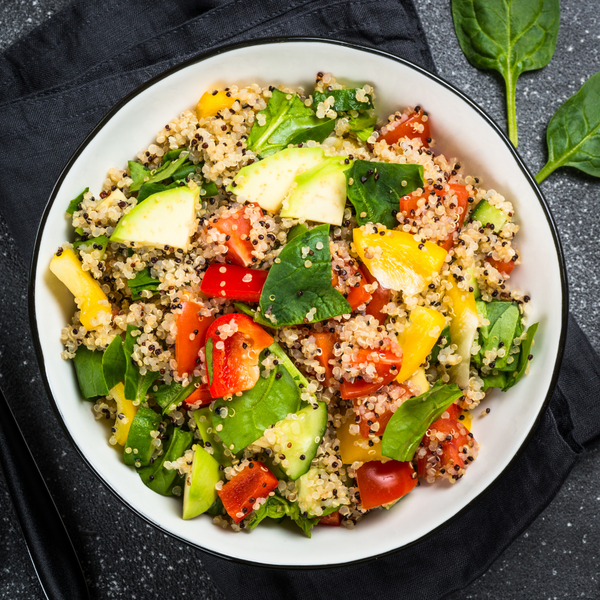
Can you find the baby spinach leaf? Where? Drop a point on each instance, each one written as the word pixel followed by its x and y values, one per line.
pixel 375 189
pixel 318 133
pixel 216 508
pixel 442 342
pixel 173 394
pixel 285 118
pixel 131 369
pixel 210 187
pixel 278 508
pixel 172 155
pixel 184 171
pixel 501 335
pixel 298 229
pixel 409 423
pixel 299 283
pixel 343 100
pixel 254 314
pixel 526 345
pixel 495 381
pixel 143 281
pixel 97 243
pixel 287 363
pixel 90 375
pixel 74 204
pixel 573 134
pixel 510 37
pixel 154 188
pixel 245 418
pixel 204 423
pixel 141 174
pixel 362 126
pixel 114 363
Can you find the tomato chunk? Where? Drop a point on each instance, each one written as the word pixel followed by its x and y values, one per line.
pixel 199 397
pixel 387 367
pixel 325 342
pixel 233 282
pixel 239 247
pixel 505 268
pixel 191 334
pixel 379 298
pixel 413 127
pixel 381 483
pixel 239 494
pixel 235 358
pixel 333 519
pixel 381 413
pixel 454 411
pixel 359 295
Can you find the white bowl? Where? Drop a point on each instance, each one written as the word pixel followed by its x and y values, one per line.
pixel 461 130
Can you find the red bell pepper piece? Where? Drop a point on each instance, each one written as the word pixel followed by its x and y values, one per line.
pixel 237 227
pixel 239 494
pixel 505 268
pixel 380 297
pixel 235 359
pixel 190 325
pixel 333 519
pixel 233 282
pixel 381 483
pixel 413 127
pixel 199 397
pixel 359 295
pixel 454 411
pixel 387 367
pixel 325 342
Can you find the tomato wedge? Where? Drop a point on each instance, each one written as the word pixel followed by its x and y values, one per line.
pixel 191 334
pixel 505 268
pixel 233 282
pixel 199 397
pixel 381 483
pixel 325 342
pixel 239 494
pixel 413 127
pixel 333 519
pixel 358 295
pixel 454 411
pixel 234 366
pixel 237 228
pixel 387 367
pixel 379 298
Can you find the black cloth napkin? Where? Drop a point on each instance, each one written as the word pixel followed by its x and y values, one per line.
pixel 59 81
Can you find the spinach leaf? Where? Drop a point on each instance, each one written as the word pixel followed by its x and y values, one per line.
pixel 409 423
pixel 184 171
pixel 375 189
pixel 318 133
pixel 526 345
pixel 573 134
pixel 287 363
pixel 210 187
pixel 216 508
pixel 171 395
pixel 298 229
pixel 491 381
pixel 208 350
pixel 254 314
pixel 154 188
pixel 502 334
pixel 362 126
pixel 245 418
pixel 442 342
pixel 141 174
pixel 204 424
pixel 297 285
pixel 136 385
pixel 90 376
pixel 97 243
pixel 278 508
pixel 74 204
pixel 113 363
pixel 156 476
pixel 510 37
pixel 343 100
pixel 285 118
pixel 172 154
pixel 143 281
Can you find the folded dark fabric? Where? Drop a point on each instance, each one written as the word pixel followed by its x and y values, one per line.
pixel 59 81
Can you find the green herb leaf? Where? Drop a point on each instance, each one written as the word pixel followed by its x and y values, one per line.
pixel 90 375
pixel 410 422
pixel 278 508
pixel 114 363
pixel 74 204
pixel 286 118
pixel 362 126
pixel 143 281
pixel 573 134
pixel 510 37
pixel 173 394
pixel 344 100
pixel 292 289
pixel 378 198
pixel 245 418
pixel 526 345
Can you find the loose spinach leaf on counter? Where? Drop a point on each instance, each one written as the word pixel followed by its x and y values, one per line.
pixel 409 423
pixel 245 418
pixel 141 174
pixel 285 119
pixel 573 134
pixel 344 100
pixel 74 204
pixel 90 375
pixel 143 281
pixel 301 282
pixel 173 394
pixel 510 37
pixel 375 189
pixel 278 508
pixel 526 344
pixel 362 126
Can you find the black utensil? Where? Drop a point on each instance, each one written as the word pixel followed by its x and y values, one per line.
pixel 48 543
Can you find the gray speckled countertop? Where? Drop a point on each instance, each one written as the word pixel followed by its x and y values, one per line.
pixel 124 558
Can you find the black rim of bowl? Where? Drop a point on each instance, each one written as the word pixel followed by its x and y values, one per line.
pixel 268 41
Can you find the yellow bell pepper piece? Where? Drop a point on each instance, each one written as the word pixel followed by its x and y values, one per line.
pixel 396 260
pixel 127 409
pixel 210 104
pixel 89 297
pixel 350 451
pixel 468 420
pixel 419 380
pixel 418 338
pixel 463 329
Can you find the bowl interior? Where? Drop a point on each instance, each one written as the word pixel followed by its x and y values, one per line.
pixel 461 131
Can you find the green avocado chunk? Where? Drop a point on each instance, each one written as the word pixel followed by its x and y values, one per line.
pixel 199 491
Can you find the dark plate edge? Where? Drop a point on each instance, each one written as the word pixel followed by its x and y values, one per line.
pixel 275 40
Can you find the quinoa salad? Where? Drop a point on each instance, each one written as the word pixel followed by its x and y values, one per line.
pixel 289 307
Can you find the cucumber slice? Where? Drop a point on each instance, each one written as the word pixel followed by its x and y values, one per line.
pixel 203 418
pixel 139 448
pixel 199 491
pixel 304 431
pixel 487 214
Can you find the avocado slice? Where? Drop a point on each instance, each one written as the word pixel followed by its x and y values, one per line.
pixel 199 491
pixel 320 193
pixel 304 431
pixel 268 181
pixel 163 219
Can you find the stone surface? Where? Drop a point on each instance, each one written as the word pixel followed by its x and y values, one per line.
pixel 124 558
